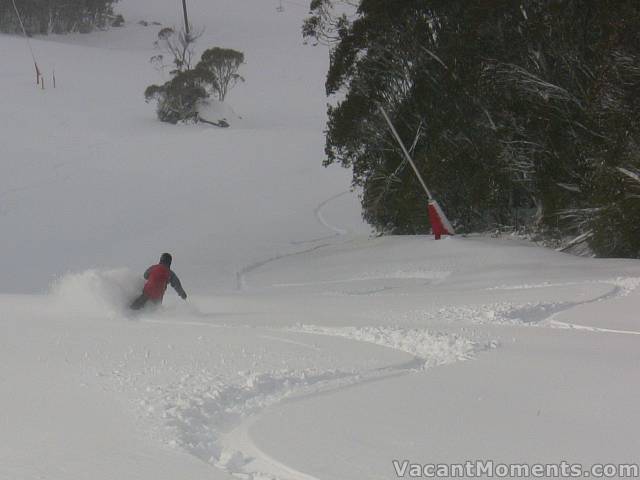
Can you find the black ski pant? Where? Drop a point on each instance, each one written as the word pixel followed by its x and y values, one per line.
pixel 141 301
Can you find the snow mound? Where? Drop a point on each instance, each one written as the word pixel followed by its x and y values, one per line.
pixel 96 292
pixel 218 112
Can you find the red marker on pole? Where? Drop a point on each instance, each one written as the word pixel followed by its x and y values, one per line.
pixel 440 224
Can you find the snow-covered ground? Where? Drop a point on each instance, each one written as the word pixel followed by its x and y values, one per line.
pixel 307 349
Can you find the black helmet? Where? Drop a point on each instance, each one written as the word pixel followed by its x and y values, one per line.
pixel 165 259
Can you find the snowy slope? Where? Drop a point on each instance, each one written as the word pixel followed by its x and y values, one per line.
pixel 546 389
pixel 428 359
pixel 307 350
pixel 103 183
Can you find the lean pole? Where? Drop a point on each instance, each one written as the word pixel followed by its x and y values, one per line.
pixel 24 31
pixel 405 151
pixel 186 18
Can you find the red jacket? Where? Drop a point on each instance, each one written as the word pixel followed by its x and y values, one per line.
pixel 157 277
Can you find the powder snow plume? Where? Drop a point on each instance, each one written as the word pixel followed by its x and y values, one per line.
pixel 96 292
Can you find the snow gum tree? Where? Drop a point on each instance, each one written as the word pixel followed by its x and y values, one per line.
pixel 222 64
pixel 177 100
pixel 519 114
pixel 179 45
pixel 215 74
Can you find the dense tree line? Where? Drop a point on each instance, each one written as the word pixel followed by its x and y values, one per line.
pixel 520 114
pixel 57 16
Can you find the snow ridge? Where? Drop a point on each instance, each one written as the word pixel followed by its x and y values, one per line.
pixel 431 348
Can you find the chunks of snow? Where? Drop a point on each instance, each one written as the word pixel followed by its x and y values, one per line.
pixel 431 347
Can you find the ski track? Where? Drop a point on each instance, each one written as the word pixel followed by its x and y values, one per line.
pixel 291 342
pixel 206 423
pixel 239 439
pixel 200 410
pixel 575 326
pixel 318 213
pixel 211 419
pixel 432 276
pixel 241 283
pixel 621 287
pixel 209 414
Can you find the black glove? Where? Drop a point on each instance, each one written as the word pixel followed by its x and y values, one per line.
pixel 184 295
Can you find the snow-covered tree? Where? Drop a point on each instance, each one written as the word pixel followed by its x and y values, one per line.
pixel 517 112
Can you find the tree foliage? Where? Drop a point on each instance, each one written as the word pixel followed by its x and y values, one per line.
pixel 215 74
pixel 57 16
pixel 179 45
pixel 518 113
pixel 178 98
pixel 222 64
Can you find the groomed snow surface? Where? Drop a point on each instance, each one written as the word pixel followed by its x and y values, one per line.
pixel 307 349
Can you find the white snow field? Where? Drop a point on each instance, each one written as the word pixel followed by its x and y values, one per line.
pixel 306 349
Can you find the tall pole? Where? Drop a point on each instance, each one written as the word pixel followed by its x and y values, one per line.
pixel 186 18
pixel 404 150
pixel 24 31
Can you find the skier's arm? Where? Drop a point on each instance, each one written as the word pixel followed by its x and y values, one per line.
pixel 146 274
pixel 177 286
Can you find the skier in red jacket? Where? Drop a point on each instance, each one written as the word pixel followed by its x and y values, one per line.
pixel 158 277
